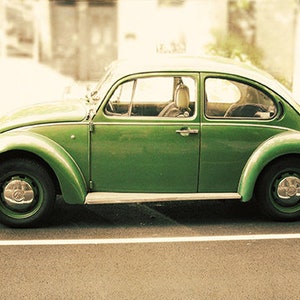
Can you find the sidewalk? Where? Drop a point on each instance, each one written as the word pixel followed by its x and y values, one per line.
pixel 26 82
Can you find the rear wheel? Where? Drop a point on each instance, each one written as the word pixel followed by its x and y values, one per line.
pixel 278 190
pixel 27 193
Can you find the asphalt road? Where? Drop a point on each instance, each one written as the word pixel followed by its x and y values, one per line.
pixel 203 250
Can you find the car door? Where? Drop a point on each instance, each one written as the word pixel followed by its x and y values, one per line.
pixel 136 149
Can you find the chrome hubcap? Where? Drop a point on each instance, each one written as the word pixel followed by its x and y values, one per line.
pixel 18 194
pixel 288 189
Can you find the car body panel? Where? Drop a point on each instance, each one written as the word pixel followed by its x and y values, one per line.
pixel 70 177
pixel 62 111
pixel 144 157
pixel 226 150
pixel 73 137
pixel 227 144
pixel 286 143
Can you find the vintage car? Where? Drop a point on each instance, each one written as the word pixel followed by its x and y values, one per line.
pixel 166 129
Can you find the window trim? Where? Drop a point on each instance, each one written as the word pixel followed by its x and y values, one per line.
pixel 193 75
pixel 243 80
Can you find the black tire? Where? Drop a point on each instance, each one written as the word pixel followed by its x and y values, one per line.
pixel 27 193
pixel 278 190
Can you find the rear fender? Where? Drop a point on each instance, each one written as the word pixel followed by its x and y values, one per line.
pixel 69 176
pixel 287 143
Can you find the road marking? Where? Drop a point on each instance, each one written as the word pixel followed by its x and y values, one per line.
pixel 148 240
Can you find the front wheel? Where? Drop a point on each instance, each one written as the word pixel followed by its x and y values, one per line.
pixel 27 193
pixel 278 190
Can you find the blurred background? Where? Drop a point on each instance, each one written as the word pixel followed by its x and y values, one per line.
pixel 47 46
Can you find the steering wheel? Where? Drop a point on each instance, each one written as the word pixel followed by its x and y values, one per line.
pixel 110 107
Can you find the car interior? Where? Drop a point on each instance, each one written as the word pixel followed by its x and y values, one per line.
pixel 232 99
pixel 179 106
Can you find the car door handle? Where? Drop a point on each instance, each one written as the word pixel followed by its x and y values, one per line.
pixel 187 131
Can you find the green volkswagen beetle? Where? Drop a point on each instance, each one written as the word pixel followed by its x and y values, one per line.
pixel 167 129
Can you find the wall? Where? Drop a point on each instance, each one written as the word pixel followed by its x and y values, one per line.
pixel 275 22
pixel 84 38
pixel 151 27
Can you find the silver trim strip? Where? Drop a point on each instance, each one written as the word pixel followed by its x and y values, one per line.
pixel 111 198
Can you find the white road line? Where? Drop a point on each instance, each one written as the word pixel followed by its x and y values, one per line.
pixel 147 240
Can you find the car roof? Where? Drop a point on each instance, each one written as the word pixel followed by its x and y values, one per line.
pixel 174 63
pixel 184 63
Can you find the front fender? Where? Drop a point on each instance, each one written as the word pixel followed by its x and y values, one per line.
pixel 69 176
pixel 282 144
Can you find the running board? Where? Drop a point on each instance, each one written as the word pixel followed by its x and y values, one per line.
pixel 111 198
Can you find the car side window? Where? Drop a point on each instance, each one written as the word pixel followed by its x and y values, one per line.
pixel 154 96
pixel 232 99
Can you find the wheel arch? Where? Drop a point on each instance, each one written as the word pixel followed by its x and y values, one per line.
pixel 66 174
pixel 13 154
pixel 281 146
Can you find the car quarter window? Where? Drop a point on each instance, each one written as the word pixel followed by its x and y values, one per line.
pixel 154 96
pixel 232 99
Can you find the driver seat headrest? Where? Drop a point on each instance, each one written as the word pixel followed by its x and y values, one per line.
pixel 182 96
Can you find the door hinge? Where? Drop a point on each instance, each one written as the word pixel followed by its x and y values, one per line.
pixel 91 127
pixel 91 184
